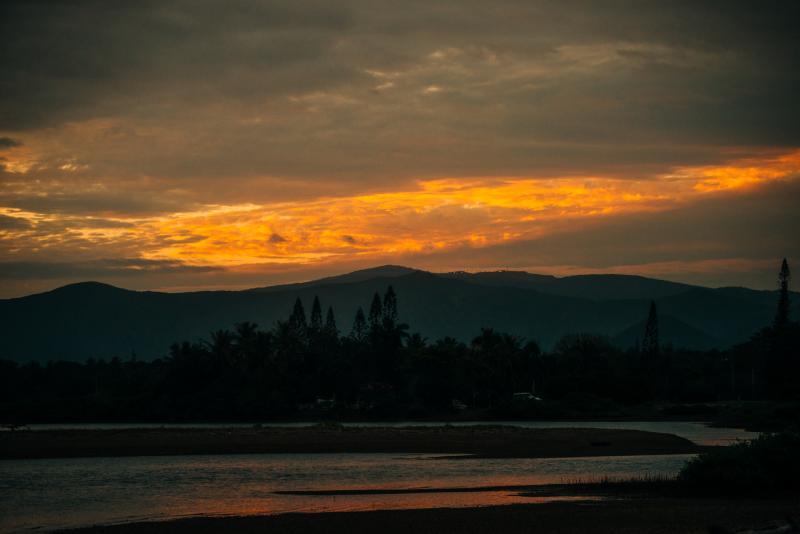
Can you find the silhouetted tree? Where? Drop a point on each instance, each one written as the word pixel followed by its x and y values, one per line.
pixel 250 374
pixel 297 321
pixel 416 342
pixel 246 340
pixel 782 313
pixel 386 336
pixel 782 362
pixel 316 316
pixel 245 332
pixel 221 346
pixel 584 363
pixel 359 331
pixel 288 341
pixel 375 313
pixel 650 343
pixel 330 323
pixel 390 307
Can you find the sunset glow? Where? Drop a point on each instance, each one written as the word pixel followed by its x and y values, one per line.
pixel 434 215
pixel 462 266
pixel 312 144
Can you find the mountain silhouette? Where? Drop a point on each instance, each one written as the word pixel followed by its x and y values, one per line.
pixel 94 320
pixel 671 330
pixel 590 286
pixel 384 271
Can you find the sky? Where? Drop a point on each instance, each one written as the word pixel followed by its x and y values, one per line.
pixel 183 145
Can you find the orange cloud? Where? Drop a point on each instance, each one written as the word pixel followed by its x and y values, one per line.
pixel 438 214
pixel 435 215
pixel 744 173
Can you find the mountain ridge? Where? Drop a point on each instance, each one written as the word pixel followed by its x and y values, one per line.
pixel 92 319
pixel 394 271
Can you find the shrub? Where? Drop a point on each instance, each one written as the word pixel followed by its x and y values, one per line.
pixel 768 464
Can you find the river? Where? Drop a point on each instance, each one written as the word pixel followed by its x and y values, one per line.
pixel 57 493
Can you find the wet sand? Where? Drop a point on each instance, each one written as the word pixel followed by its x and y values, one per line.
pixel 658 516
pixel 479 441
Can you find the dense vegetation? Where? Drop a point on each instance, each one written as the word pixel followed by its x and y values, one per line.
pixel 767 465
pixel 304 365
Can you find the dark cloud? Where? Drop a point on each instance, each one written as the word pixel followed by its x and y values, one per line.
pixel 37 270
pixel 276 238
pixel 150 108
pixel 93 223
pixel 518 87
pixel 108 201
pixel 72 60
pixel 7 142
pixel 13 223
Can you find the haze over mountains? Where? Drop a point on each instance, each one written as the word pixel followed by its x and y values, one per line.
pixel 90 319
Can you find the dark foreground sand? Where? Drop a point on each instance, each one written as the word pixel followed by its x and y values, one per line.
pixel 686 516
pixel 482 441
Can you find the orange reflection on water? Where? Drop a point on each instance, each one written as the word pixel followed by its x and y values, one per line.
pixel 73 492
pixel 362 503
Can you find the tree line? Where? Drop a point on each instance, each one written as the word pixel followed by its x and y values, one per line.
pixel 304 365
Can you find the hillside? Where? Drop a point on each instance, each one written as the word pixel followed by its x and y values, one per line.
pixel 671 330
pixel 589 286
pixel 90 319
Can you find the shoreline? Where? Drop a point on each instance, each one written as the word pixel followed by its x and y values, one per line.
pixel 484 441
pixel 653 515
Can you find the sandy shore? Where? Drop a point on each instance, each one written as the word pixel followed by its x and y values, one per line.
pixel 685 516
pixel 481 441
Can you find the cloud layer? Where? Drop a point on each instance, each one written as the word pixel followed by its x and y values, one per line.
pixel 261 137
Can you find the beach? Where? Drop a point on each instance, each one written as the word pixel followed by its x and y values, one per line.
pixel 660 515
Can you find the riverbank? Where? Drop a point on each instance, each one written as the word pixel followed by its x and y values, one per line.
pixel 478 441
pixel 756 416
pixel 651 515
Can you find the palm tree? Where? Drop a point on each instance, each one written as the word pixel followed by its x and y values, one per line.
pixel 221 346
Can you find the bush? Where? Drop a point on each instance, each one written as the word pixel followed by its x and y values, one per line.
pixel 768 464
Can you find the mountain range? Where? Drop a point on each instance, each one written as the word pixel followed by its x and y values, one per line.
pixel 94 320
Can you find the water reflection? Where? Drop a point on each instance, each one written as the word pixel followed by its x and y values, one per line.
pixel 72 492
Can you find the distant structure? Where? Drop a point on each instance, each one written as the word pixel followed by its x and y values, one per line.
pixel 782 313
pixel 650 344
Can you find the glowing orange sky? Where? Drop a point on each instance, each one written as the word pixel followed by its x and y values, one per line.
pixel 435 215
pixel 183 146
pixel 438 214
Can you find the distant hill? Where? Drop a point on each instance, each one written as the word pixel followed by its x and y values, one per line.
pixel 90 319
pixel 590 286
pixel 384 271
pixel 671 331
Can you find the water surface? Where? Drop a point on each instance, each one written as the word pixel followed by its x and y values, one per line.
pixel 58 493
pixel 69 492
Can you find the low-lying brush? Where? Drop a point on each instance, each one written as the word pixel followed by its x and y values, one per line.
pixel 767 465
